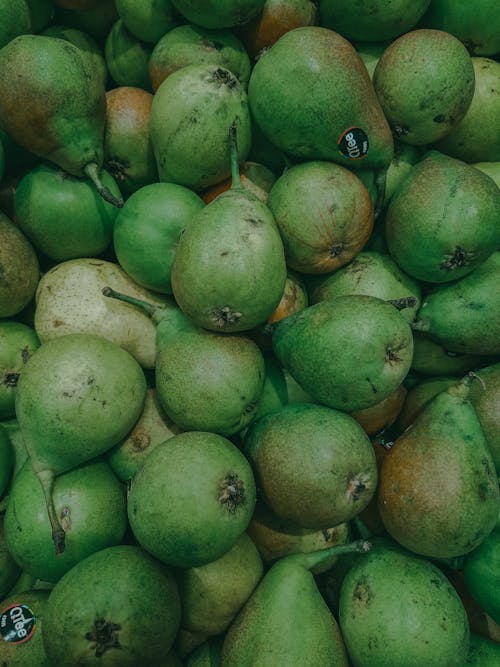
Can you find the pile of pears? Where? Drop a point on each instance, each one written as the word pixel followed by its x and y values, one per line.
pixel 249 333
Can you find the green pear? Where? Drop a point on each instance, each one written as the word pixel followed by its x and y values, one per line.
pixel 485 397
pixel 191 44
pixel 66 125
pixel 9 569
pixel 229 269
pixel 421 228
pixel 331 488
pixel 194 365
pixel 483 652
pixel 148 20
pixel 91 505
pixel 419 395
pixel 492 169
pixel 430 358
pixel 96 21
pixel 464 316
pixel 374 20
pixel 349 353
pixel 481 568
pixel 424 98
pixel 397 609
pixel 438 492
pixel 68 408
pixel 192 499
pixel 324 214
pixel 118 606
pixel 219 13
pixel 373 274
pixel 312 97
pixel 476 24
pixel 47 197
pixel 190 115
pixel 212 594
pixel 286 620
pixel 475 137
pixel 19 269
pixel 69 299
pixel 127 58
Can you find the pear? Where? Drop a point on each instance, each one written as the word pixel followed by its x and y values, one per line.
pixel 430 358
pixel 371 273
pixel 69 300
pixel 312 96
pixel 219 13
pixel 194 365
pixel 212 594
pixel 492 169
pixel 349 353
pixel 424 98
pixel 55 106
pixel 271 629
pixel 464 316
pixel 483 652
pixel 68 408
pixel 19 269
pixel 480 568
pixel 96 21
pixel 324 213
pixel 485 397
pixel 375 20
pixel 9 569
pixel 475 138
pixel 229 268
pixel 190 114
pixel 148 20
pixel 438 492
pixel 127 58
pixel 18 341
pixel 476 24
pixel 190 44
pixel 425 239
pixel 397 609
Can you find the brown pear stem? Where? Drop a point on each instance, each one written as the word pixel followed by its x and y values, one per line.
pixel 92 171
pixel 310 559
pixel 403 302
pixel 46 478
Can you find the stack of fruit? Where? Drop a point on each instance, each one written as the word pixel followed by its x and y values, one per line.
pixel 249 333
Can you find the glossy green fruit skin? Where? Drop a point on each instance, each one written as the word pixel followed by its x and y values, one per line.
pixel 127 58
pixel 398 609
pixel 91 505
pixel 147 230
pixel 67 404
pixel 481 572
pixel 121 589
pixel 64 216
pixel 192 499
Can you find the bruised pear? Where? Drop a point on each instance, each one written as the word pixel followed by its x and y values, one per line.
pixel 438 492
pixel 56 105
pixel 349 353
pixel 229 269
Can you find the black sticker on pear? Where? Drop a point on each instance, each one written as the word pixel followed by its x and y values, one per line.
pixel 353 143
pixel 17 623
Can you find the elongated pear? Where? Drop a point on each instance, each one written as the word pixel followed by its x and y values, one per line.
pixel 54 105
pixel 438 492
pixel 286 620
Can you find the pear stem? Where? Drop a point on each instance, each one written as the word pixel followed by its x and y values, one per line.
pixel 363 531
pixel 149 308
pixel 92 171
pixel 46 478
pixel 235 165
pixel 310 559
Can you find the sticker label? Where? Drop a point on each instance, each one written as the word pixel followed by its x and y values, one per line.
pixel 353 143
pixel 17 623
